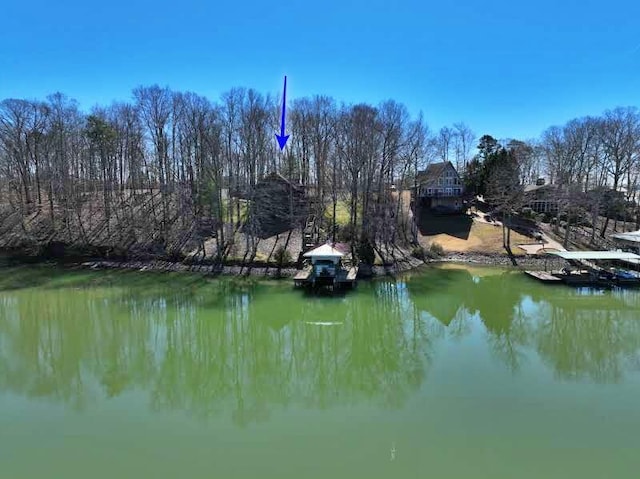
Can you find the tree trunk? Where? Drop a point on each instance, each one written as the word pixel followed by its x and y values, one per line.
pixel 605 226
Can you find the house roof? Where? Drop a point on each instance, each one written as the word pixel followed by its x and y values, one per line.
pixel 548 186
pixel 433 171
pixel 342 247
pixel 278 177
pixel 326 250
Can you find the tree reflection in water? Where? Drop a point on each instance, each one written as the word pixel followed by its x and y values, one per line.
pixel 245 350
pixel 218 349
pixel 581 339
pixel 579 333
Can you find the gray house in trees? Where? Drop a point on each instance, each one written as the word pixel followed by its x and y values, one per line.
pixel 541 197
pixel 439 187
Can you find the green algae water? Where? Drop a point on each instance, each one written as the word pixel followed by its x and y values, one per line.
pixel 446 373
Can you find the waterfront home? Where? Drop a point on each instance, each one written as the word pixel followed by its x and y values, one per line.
pixel 278 204
pixel 439 188
pixel 541 197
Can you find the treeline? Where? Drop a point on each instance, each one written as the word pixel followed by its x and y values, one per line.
pixel 593 164
pixel 170 169
pixel 223 346
pixel 595 161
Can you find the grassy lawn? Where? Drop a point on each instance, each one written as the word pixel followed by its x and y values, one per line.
pixel 482 238
pixel 226 204
pixel 343 214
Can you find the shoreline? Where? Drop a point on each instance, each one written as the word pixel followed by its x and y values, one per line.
pixel 498 259
pixel 288 271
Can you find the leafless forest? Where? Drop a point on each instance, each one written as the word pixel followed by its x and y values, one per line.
pixel 169 171
pixel 595 162
pixel 591 167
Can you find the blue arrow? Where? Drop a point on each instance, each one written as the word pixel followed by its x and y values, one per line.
pixel 282 138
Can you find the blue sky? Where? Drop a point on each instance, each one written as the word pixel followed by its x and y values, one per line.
pixel 507 68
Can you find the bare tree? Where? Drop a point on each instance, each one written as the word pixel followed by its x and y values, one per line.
pixel 463 139
pixel 445 139
pixel 620 136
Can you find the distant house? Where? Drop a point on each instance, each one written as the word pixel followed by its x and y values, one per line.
pixel 278 204
pixel 439 187
pixel 541 197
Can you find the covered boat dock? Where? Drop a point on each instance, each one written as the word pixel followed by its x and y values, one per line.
pixel 327 269
pixel 594 268
pixel 630 240
pixel 596 255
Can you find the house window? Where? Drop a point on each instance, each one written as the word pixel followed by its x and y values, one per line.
pixel 439 181
pixel 448 191
pixel 429 191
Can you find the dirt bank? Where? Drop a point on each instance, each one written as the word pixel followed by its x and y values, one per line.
pixel 533 262
pixel 168 266
pixel 260 270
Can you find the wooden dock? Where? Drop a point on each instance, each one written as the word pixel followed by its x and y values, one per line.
pixel 343 279
pixel 302 276
pixel 543 276
pixel 329 269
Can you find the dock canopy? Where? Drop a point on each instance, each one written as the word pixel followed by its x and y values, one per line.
pixel 631 237
pixel 596 255
pixel 325 252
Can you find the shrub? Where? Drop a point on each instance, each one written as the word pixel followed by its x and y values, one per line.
pixel 366 253
pixel 528 213
pixel 418 252
pixel 344 233
pixel 436 249
pixel 260 257
pixel 175 256
pixel 282 256
pixel 547 217
pixel 586 222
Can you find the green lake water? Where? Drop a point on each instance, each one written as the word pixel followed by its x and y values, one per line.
pixel 447 373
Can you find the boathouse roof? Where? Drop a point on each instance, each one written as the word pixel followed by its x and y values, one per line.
pixel 596 255
pixel 633 236
pixel 326 250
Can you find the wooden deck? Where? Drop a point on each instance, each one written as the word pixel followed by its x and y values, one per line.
pixel 302 275
pixel 343 279
pixel 543 276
